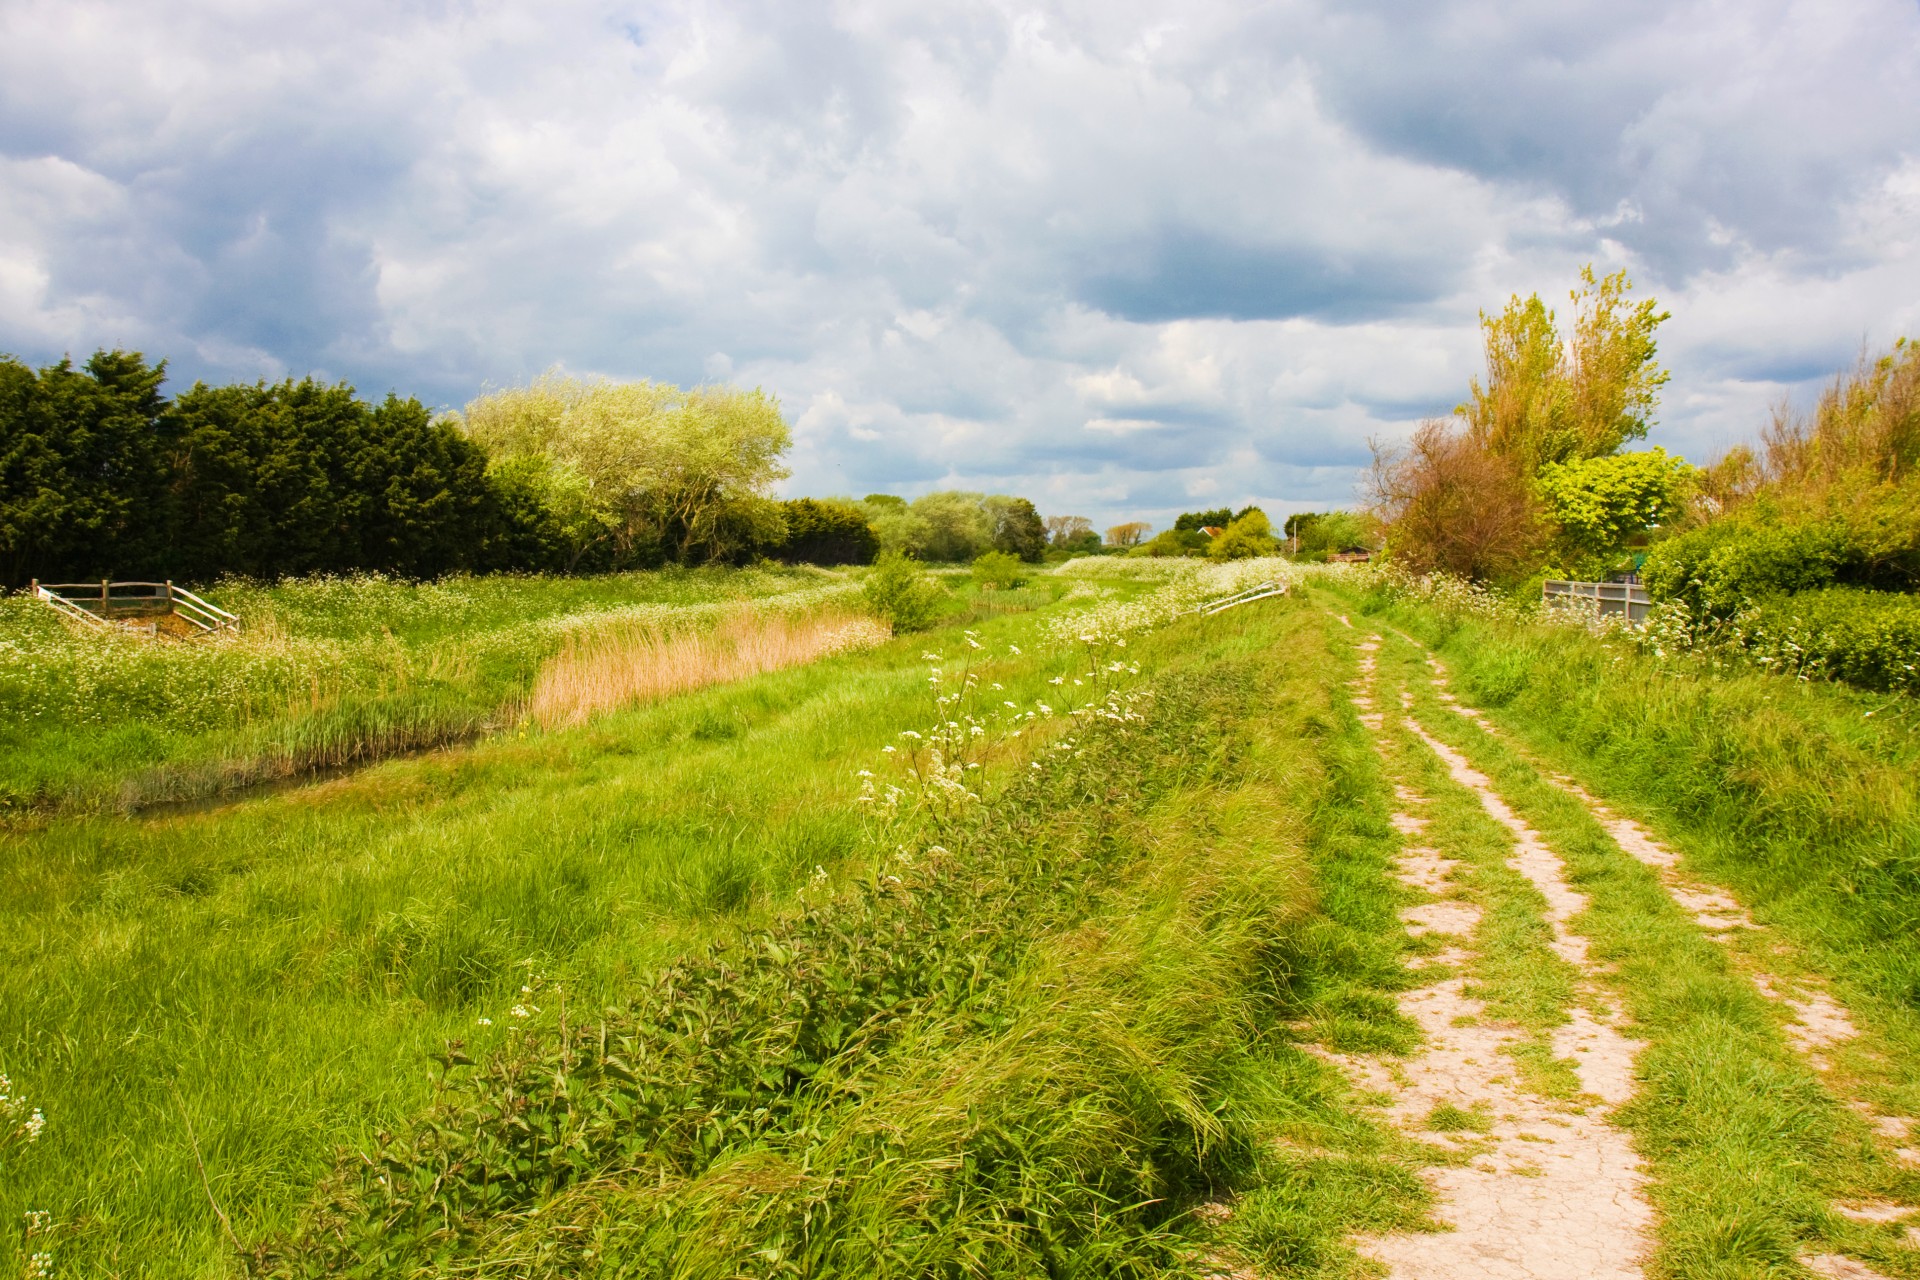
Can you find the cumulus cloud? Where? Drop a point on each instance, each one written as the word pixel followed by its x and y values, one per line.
pixel 1119 256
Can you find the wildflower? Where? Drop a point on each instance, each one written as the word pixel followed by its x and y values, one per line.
pixel 888 747
pixel 1013 705
pixel 1045 709
pixel 908 733
pixel 936 848
pixel 484 1022
pixel 931 657
pixel 864 773
pixel 972 643
pixel 519 1011
pixel 1014 649
pixel 997 685
pixel 1058 680
pixel 35 1123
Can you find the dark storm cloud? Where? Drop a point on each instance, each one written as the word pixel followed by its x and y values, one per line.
pixel 1183 274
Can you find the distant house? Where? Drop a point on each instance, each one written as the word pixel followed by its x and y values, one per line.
pixel 1350 555
pixel 1212 530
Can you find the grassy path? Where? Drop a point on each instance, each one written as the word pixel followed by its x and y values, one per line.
pixel 1752 1110
pixel 1531 1173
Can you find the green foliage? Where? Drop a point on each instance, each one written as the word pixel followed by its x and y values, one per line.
pixel 955 524
pixel 1321 532
pixel 826 533
pixel 1866 638
pixel 101 476
pixel 82 471
pixel 1717 569
pixel 1194 521
pixel 1018 529
pixel 669 474
pixel 1600 503
pixel 1248 537
pixel 1174 542
pixel 1545 402
pixel 900 591
pixel 999 570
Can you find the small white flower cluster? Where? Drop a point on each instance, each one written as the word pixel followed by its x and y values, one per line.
pixel 19 1121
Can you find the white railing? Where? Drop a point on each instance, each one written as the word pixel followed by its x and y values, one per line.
pixel 1621 599
pixel 201 613
pixel 1248 596
pixel 134 606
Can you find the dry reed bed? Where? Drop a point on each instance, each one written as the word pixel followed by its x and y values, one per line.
pixel 620 666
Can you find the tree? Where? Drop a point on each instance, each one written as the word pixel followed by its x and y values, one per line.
pixel 669 473
pixel 1218 518
pixel 895 524
pixel 1599 504
pixel 827 533
pixel 1018 529
pixel 82 468
pixel 1173 542
pixel 1451 505
pixel 1245 538
pixel 1127 535
pixel 1545 401
pixel 1064 529
pixel 957 525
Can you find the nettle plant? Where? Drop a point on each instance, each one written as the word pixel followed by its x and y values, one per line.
pixel 941 772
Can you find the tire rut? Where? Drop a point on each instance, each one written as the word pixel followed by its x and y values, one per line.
pixel 1537 1189
pixel 1818 1020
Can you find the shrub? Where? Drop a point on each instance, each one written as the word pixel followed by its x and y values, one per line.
pixel 1174 542
pixel 1247 538
pixel 998 569
pixel 1865 638
pixel 1718 569
pixel 901 592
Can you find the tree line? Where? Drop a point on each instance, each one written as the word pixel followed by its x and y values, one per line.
pixel 103 475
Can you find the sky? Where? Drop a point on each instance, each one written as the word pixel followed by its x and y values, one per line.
pixel 1125 259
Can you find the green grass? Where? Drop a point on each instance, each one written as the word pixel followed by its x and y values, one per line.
pixel 1514 969
pixel 255 985
pixel 1746 1147
pixel 325 673
pixel 1801 798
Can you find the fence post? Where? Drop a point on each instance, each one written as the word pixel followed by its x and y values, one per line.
pixel 104 607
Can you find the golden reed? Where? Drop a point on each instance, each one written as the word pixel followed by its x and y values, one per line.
pixel 637 663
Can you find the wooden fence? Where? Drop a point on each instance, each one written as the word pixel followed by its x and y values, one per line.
pixel 1619 599
pixel 151 608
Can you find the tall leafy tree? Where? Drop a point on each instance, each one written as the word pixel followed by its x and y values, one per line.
pixel 1018 529
pixel 82 469
pixel 1546 400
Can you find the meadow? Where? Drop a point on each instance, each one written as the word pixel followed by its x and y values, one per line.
pixel 326 672
pixel 1069 936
